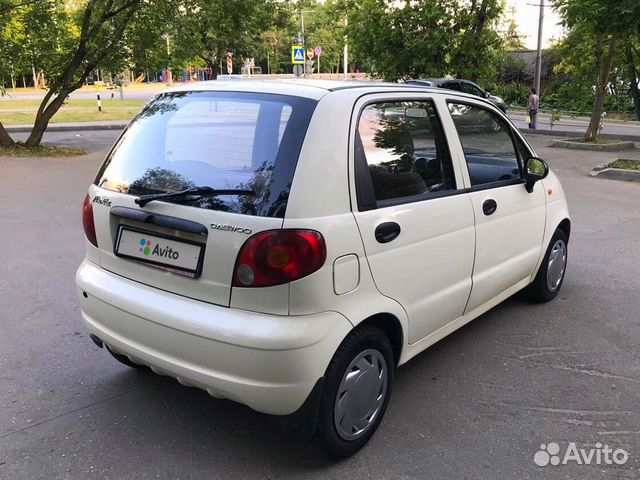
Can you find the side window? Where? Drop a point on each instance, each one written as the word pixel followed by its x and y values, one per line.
pixel 452 86
pixel 405 152
pixel 487 143
pixel 471 89
pixel 523 151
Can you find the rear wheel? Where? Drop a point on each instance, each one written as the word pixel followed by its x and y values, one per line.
pixel 357 391
pixel 550 276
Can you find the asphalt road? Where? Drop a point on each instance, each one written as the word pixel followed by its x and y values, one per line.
pixel 477 405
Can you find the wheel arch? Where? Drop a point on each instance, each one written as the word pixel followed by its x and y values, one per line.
pixel 392 328
pixel 565 226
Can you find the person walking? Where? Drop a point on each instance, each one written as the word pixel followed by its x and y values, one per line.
pixel 532 108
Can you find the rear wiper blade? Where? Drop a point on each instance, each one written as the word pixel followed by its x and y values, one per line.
pixel 142 200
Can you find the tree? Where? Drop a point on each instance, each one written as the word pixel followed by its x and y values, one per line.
pixel 210 29
pixel 602 25
pixel 68 40
pixel 405 40
pixel 513 38
pixel 631 53
pixel 478 48
pixel 400 40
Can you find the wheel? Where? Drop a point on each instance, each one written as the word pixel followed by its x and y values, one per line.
pixel 357 390
pixel 549 279
pixel 125 360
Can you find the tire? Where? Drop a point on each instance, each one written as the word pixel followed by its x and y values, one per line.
pixel 366 350
pixel 548 281
pixel 125 360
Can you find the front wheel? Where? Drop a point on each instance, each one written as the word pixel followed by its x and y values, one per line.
pixel 357 390
pixel 551 274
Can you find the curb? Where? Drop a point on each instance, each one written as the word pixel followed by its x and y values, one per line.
pixel 602 147
pixel 566 133
pixel 617 174
pixel 69 128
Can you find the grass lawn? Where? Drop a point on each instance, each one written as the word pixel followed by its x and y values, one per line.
pixel 20 150
pixel 15 112
pixel 626 164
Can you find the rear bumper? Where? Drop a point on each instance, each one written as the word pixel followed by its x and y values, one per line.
pixel 270 363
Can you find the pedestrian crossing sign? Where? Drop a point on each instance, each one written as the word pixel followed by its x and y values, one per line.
pixel 297 54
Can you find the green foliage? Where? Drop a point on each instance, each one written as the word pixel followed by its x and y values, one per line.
pixel 512 93
pixel 426 38
pixel 598 29
pixel 208 30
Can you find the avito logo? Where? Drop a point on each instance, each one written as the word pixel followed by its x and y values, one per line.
pixel 147 248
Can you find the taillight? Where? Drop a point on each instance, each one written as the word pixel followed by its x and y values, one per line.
pixel 87 221
pixel 275 257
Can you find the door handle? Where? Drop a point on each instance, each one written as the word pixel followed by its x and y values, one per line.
pixel 489 207
pixel 387 232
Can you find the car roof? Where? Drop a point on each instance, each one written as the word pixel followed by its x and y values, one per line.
pixel 308 88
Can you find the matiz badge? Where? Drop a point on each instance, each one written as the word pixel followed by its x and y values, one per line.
pixel 101 201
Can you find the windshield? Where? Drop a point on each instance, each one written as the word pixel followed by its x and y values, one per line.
pixel 223 140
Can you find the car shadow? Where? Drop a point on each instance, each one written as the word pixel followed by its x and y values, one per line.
pixel 180 418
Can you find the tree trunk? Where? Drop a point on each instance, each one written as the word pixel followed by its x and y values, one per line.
pixel 605 63
pixel 5 138
pixel 43 117
pixel 632 72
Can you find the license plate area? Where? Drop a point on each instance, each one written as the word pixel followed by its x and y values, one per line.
pixel 176 255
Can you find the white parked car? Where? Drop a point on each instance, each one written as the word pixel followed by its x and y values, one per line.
pixel 287 245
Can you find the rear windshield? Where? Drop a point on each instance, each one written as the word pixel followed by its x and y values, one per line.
pixel 223 140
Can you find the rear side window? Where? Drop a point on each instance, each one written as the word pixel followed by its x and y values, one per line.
pixel 405 152
pixel 223 140
pixel 488 145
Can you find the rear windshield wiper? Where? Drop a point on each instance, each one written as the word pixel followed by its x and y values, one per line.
pixel 142 200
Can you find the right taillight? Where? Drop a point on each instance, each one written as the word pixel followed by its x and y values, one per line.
pixel 87 221
pixel 275 257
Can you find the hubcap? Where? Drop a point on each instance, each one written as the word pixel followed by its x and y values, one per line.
pixel 360 395
pixel 556 265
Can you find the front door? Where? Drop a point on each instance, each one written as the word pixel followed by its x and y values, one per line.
pixel 510 221
pixel 415 218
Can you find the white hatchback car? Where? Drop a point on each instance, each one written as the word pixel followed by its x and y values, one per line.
pixel 287 245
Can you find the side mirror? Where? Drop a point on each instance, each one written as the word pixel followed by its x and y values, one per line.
pixel 535 169
pixel 487 94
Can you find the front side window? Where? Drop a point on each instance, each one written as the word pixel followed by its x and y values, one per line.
pixel 405 151
pixel 487 143
pixel 223 140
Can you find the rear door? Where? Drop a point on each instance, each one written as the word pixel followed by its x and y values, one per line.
pixel 509 220
pixel 223 140
pixel 414 216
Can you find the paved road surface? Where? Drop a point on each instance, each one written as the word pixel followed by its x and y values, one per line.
pixel 477 405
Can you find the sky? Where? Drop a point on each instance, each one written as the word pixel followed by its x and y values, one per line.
pixel 526 15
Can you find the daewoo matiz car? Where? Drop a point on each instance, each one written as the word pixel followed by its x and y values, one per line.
pixel 287 245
